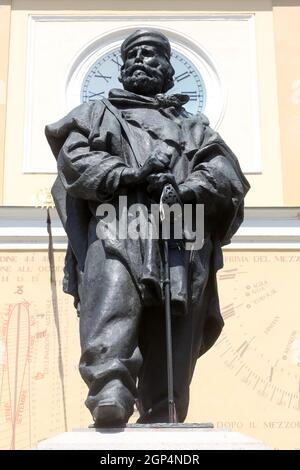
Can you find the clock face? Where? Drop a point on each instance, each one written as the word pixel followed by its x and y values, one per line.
pixel 104 73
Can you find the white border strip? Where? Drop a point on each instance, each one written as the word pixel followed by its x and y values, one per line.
pixel 24 228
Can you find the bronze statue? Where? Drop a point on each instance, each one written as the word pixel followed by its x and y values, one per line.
pixel 135 144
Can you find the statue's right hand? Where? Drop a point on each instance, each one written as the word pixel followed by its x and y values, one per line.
pixel 157 162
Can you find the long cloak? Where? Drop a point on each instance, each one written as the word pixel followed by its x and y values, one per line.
pixel 92 148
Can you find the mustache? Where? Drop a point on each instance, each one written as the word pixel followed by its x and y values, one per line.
pixel 150 71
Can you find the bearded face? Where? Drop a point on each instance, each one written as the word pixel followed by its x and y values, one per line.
pixel 146 71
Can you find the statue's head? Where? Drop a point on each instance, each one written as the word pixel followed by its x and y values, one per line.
pixel 146 68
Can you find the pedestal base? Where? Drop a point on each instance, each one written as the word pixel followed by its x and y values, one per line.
pixel 152 437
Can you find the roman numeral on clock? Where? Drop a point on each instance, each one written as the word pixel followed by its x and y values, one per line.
pixel 93 96
pixel 192 94
pixel 182 76
pixel 105 77
pixel 115 59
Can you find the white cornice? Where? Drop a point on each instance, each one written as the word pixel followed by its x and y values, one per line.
pixel 24 228
pixel 146 16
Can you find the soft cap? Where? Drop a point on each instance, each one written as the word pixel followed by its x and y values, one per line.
pixel 146 36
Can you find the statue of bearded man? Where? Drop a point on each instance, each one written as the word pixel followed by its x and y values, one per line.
pixel 133 144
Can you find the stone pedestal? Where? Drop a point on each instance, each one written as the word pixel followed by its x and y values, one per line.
pixel 152 437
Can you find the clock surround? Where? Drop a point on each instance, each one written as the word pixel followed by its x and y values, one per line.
pixel 198 59
pixel 103 76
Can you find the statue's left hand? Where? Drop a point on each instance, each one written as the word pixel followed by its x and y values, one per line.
pixel 159 180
